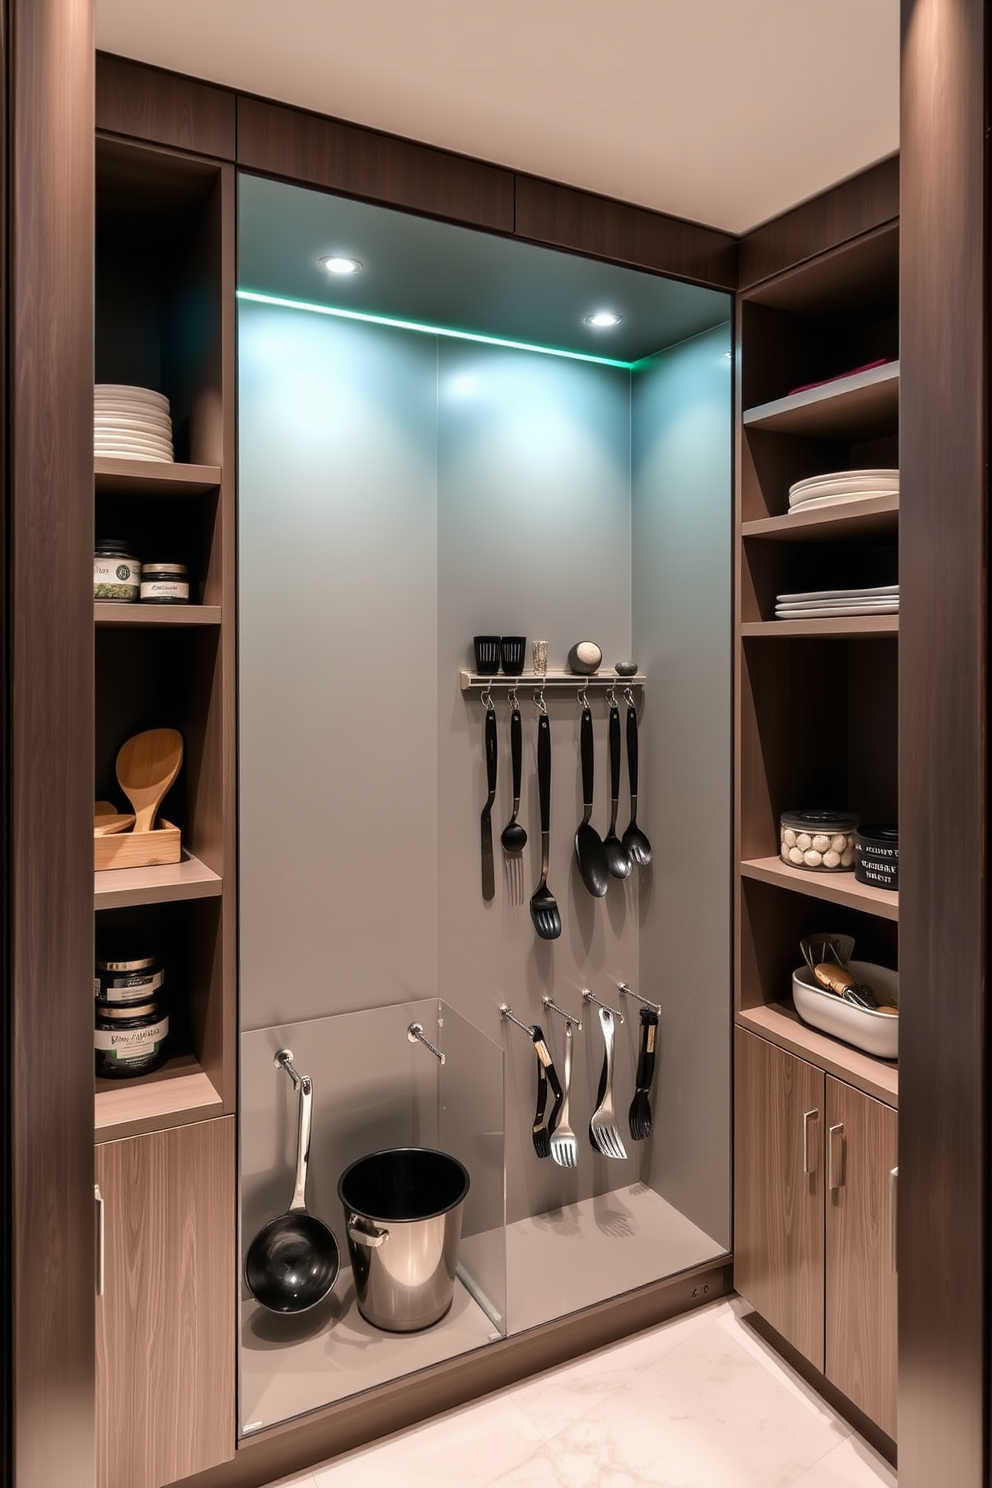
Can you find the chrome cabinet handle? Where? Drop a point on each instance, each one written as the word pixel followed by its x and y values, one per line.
pixel 833 1183
pixel 101 1251
pixel 808 1116
pixel 893 1195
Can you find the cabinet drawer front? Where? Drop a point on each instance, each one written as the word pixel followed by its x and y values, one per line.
pixel 861 1283
pixel 165 1322
pixel 778 1196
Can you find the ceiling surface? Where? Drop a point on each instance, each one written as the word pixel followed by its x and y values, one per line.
pixel 438 275
pixel 722 111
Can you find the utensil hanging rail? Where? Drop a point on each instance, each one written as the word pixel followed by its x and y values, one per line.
pixel 626 991
pixel 506 1014
pixel 549 1002
pixel 284 1061
pixel 415 1034
pixel 476 682
pixel 588 996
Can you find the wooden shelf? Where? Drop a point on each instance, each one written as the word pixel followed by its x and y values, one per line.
pixel 835 888
pixel 154 478
pixel 781 1024
pixel 873 516
pixel 862 405
pixel 155 615
pixel 836 628
pixel 178 1093
pixel 115 888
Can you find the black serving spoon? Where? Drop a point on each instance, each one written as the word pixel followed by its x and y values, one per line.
pixel 589 849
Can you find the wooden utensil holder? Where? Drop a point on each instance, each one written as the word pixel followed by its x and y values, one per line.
pixel 138 849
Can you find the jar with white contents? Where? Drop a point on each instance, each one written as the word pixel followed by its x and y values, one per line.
pixel 818 841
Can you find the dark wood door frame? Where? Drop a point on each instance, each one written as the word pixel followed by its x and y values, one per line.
pixel 47 724
pixel 47 58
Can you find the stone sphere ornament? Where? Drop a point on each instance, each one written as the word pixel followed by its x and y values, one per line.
pixel 584 658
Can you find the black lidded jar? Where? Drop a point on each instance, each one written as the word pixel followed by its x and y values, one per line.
pixel 130 1040
pixel 876 855
pixel 136 979
pixel 164 583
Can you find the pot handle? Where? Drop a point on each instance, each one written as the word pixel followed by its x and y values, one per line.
pixel 372 1238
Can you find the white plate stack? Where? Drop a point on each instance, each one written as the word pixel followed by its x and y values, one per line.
pixel 131 423
pixel 820 604
pixel 841 486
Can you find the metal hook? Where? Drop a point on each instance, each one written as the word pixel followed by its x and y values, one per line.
pixel 626 991
pixel 582 697
pixel 505 1013
pixel 611 695
pixel 539 702
pixel 284 1061
pixel 415 1033
pixel 549 1002
pixel 628 697
pixel 487 698
pixel 591 997
pixel 511 698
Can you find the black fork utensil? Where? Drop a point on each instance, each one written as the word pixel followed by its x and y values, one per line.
pixel 634 840
pixel 543 904
pixel 639 1116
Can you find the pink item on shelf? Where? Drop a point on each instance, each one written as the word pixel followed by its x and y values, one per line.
pixel 868 366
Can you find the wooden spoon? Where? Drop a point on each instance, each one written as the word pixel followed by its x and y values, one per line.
pixel 146 767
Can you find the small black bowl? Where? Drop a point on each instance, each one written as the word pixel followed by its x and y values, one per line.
pixel 512 650
pixel 487 655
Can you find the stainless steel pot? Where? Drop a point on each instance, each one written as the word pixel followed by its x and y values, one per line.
pixel 403 1218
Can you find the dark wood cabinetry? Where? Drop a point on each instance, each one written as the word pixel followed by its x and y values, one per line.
pixel 165 1319
pixel 814 1219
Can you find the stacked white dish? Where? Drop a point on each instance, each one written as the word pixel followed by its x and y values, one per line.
pixel 819 604
pixel 131 423
pixel 841 486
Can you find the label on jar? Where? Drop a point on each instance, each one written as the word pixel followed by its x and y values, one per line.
pixel 115 578
pixel 130 1043
pixel 133 988
pixel 174 589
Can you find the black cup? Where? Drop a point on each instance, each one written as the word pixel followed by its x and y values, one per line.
pixel 486 655
pixel 512 649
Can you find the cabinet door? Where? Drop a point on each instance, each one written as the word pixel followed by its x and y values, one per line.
pixel 165 1320
pixel 861 1279
pixel 778 1190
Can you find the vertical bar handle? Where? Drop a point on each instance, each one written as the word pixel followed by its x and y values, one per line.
pixel 808 1116
pixel 101 1248
pixel 833 1182
pixel 893 1232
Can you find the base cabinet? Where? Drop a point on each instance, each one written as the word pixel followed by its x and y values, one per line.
pixel 814 1209
pixel 165 1318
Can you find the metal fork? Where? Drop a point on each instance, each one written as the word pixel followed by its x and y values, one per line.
pixel 564 1147
pixel 604 1134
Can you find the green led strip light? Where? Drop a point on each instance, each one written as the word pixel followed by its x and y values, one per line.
pixel 412 325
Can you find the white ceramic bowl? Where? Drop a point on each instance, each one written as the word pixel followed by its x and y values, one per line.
pixel 876 1033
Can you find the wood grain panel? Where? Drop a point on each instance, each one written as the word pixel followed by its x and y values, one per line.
pixel 564 217
pixel 165 1323
pixel 855 206
pixel 778 1209
pixel 379 167
pixel 48 134
pixel 149 104
pixel 351 1423
pixel 861 1350
pixel 943 706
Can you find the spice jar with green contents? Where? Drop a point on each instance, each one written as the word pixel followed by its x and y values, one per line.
pixel 116 572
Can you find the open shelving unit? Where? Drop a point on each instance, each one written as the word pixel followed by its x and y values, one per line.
pixel 816 698
pixel 164 320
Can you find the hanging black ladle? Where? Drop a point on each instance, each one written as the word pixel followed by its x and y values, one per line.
pixel 589 850
pixel 292 1262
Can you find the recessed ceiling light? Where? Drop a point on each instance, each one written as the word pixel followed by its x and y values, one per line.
pixel 603 318
pixel 337 265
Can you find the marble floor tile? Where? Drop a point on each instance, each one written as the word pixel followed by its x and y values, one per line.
pixel 851 1465
pixel 467 1448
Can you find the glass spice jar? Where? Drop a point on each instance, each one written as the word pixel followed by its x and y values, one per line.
pixel 130 1040
pixel 116 572
pixel 818 841
pixel 164 583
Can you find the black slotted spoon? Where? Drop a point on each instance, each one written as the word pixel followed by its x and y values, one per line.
pixel 543 904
